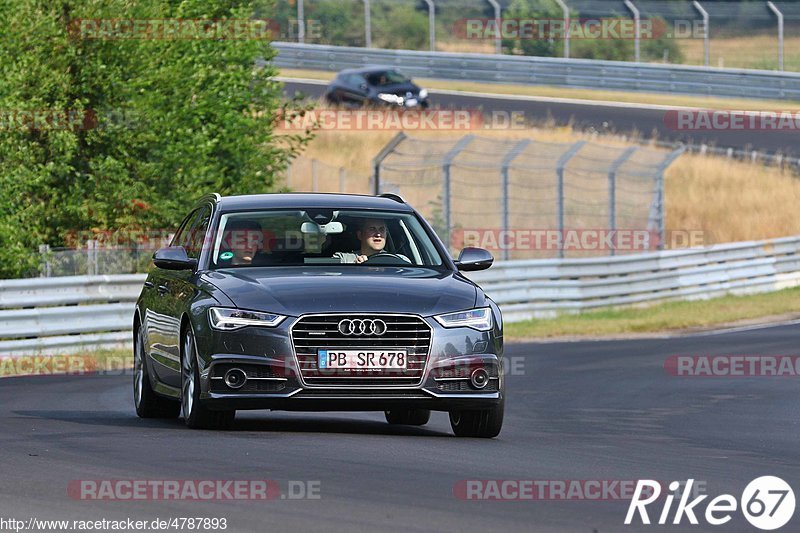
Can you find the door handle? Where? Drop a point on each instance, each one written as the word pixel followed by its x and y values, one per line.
pixel 148 285
pixel 162 290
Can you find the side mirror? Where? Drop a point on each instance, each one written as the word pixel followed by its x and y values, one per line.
pixel 174 258
pixel 472 259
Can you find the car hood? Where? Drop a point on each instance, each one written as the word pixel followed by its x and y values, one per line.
pixel 298 290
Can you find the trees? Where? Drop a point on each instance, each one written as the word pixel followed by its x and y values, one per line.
pixel 151 123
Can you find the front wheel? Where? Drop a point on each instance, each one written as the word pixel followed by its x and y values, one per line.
pixel 195 414
pixel 484 423
pixel 408 417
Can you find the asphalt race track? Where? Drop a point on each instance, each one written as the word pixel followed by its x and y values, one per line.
pixel 576 411
pixel 603 118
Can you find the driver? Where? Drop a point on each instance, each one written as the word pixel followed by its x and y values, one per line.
pixel 372 235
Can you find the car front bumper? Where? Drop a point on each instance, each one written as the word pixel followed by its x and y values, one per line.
pixel 268 358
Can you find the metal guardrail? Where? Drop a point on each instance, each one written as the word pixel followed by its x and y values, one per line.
pixel 559 72
pixel 66 314
pixel 59 315
pixel 544 287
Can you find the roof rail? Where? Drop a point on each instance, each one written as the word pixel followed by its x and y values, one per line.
pixel 392 196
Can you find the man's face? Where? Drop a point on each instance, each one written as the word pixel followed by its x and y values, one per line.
pixel 372 235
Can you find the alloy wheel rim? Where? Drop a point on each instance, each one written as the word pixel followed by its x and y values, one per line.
pixel 138 379
pixel 187 396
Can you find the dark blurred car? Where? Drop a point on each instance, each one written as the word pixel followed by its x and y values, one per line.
pixel 375 86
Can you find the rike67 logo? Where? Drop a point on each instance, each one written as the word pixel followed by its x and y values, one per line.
pixel 767 503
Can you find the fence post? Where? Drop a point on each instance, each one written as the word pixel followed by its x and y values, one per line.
pixel 431 24
pixel 612 190
pixel 378 161
pixel 562 162
pixel 706 32
pixel 637 29
pixel 301 22
pixel 565 11
pixel 447 162
pixel 510 156
pixel 367 24
pixel 497 42
pixel 656 217
pixel 45 270
pixel 778 14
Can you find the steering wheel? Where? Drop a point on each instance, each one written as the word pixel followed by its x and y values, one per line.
pixel 380 258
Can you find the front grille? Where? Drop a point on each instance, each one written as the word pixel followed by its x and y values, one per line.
pixel 321 332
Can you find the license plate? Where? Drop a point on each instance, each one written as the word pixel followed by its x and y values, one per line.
pixel 362 359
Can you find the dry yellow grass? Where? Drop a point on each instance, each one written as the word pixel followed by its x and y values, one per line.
pixel 728 200
pixel 731 200
pixel 749 51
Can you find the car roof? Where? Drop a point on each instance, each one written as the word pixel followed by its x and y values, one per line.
pixel 311 200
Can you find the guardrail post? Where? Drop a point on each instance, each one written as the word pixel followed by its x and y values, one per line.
pixel 565 11
pixel 447 213
pixel 510 156
pixel 562 162
pixel 301 22
pixel 367 24
pixel 497 42
pixel 780 33
pixel 637 29
pixel 612 190
pixel 378 161
pixel 431 24
pixel 706 32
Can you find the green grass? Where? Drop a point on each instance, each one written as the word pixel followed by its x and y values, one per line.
pixel 669 316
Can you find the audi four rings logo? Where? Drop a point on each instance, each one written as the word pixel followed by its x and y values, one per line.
pixel 362 326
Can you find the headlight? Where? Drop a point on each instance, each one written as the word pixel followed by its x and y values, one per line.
pixel 423 94
pixel 480 319
pixel 228 319
pixel 391 98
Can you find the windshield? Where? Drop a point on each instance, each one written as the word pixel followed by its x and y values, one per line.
pixel 322 237
pixel 385 77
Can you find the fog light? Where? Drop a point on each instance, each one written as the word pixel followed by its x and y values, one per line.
pixel 479 378
pixel 235 378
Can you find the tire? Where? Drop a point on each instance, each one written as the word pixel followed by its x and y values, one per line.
pixel 485 423
pixel 148 404
pixel 408 417
pixel 195 414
